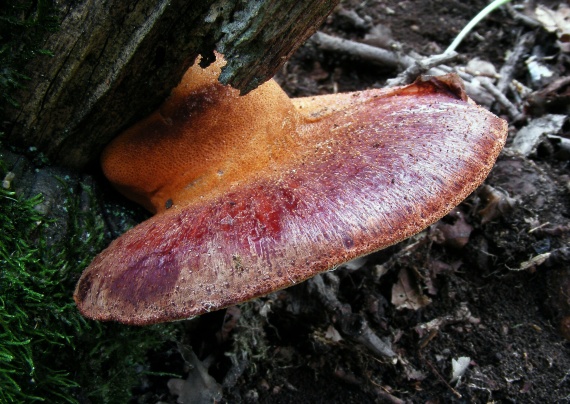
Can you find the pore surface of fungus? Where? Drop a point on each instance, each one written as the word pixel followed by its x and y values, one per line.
pixel 256 193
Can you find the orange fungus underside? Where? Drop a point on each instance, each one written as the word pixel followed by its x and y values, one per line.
pixel 260 192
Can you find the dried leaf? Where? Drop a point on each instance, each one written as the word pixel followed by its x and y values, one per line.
pixel 406 293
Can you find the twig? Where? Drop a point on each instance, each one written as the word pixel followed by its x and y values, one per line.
pixel 413 66
pixel 512 110
pixel 538 227
pixel 362 51
pixel 353 17
pixel 508 70
pixel 383 57
pixel 475 91
pixel 528 21
pixel 434 370
pixel 419 67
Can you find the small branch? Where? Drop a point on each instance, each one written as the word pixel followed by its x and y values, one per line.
pixel 473 90
pixel 362 51
pixel 507 72
pixel 512 110
pixel 419 67
pixel 413 67
pixel 383 57
pixel 528 21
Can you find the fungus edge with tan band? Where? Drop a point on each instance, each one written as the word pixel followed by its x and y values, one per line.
pixel 256 193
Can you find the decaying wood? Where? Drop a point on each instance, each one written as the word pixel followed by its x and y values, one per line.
pixel 114 63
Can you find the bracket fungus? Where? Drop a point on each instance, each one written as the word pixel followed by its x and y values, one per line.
pixel 259 192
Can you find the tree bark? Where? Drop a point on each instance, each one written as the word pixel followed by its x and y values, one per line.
pixel 115 61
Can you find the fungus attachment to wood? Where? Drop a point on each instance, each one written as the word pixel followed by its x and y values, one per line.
pixel 259 192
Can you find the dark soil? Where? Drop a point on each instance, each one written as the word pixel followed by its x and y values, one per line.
pixel 487 302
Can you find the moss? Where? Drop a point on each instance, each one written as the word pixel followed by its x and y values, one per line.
pixel 48 351
pixel 23 25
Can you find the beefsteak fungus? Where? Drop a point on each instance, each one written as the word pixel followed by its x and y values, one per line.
pixel 259 192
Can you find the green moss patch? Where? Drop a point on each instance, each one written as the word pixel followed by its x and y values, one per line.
pixel 48 351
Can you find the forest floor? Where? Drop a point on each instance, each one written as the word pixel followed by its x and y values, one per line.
pixel 473 309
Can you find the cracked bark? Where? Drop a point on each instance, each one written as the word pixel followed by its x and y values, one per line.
pixel 114 62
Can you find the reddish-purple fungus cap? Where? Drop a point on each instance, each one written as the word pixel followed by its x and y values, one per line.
pixel 257 193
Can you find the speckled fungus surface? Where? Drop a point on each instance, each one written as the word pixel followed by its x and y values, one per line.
pixel 256 193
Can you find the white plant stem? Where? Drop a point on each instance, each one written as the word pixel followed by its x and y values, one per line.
pixel 482 14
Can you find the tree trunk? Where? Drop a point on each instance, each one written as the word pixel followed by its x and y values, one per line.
pixel 116 61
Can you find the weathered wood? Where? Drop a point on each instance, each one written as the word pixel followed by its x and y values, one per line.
pixel 115 61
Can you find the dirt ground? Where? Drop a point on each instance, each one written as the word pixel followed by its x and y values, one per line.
pixel 482 295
